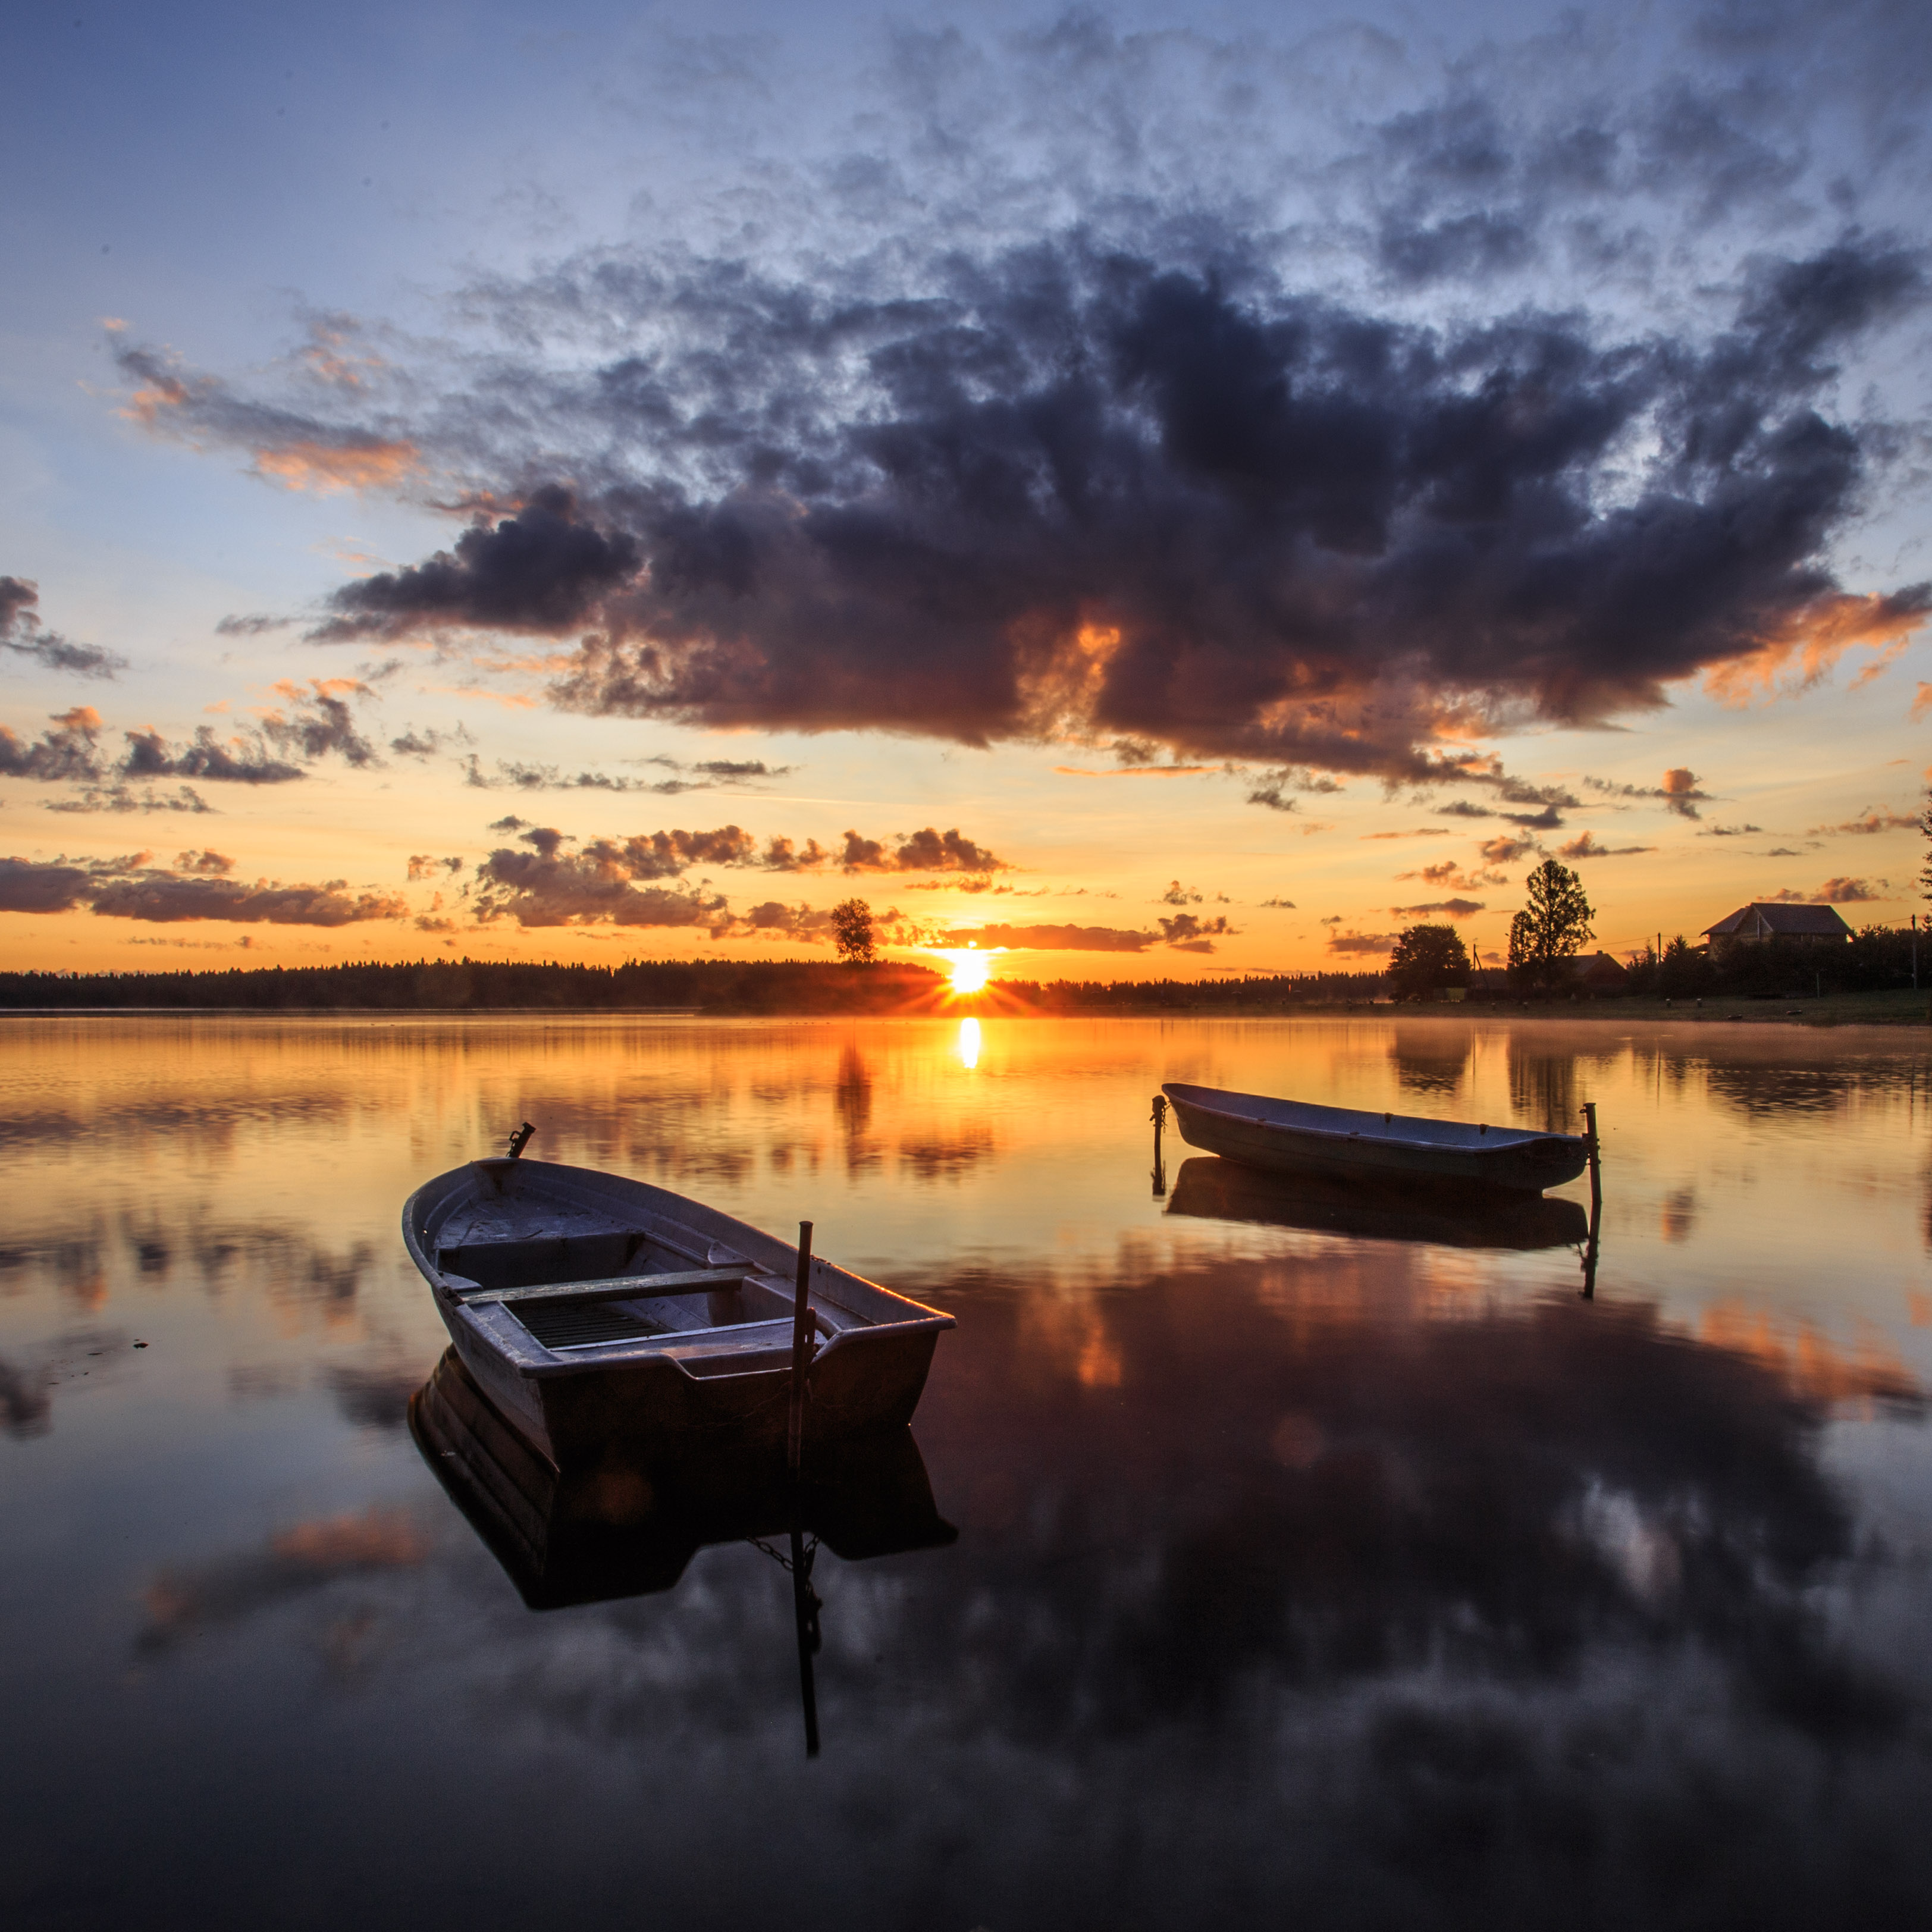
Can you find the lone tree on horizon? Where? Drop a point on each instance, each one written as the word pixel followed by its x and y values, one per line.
pixel 1426 959
pixel 852 932
pixel 1552 930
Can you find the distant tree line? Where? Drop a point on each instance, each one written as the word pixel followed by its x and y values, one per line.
pixel 724 986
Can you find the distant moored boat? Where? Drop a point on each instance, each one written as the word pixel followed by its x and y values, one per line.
pixel 1297 1136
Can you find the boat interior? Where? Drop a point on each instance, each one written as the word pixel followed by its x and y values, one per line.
pixel 584 1281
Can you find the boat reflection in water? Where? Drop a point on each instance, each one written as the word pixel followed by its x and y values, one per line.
pixel 617 1525
pixel 1211 1189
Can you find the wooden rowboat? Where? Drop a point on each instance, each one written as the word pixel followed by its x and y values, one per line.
pixel 593 1310
pixel 1296 1136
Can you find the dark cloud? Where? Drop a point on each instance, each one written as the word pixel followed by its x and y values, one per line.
pixel 1360 942
pixel 1728 831
pixel 132 888
pixel 1279 905
pixel 1155 492
pixel 257 625
pixel 1849 891
pixel 162 899
pixel 27 886
pixel 22 635
pixel 544 569
pixel 427 865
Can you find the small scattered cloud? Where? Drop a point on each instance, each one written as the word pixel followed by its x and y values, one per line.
pixel 1050 938
pixel 1273 788
pixel 256 625
pixel 1682 791
pixel 1449 873
pixel 1873 820
pixel 1585 846
pixel 1507 851
pixel 1421 831
pixel 1729 831
pixel 1454 908
pixel 1834 892
pixel 21 634
pixel 1362 942
pixel 1186 933
pixel 1278 905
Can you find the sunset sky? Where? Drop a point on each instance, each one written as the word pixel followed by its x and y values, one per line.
pixel 1164 490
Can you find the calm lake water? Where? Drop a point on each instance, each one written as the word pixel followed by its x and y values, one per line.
pixel 1316 1563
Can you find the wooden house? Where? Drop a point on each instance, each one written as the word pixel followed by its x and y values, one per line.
pixel 1752 925
pixel 1596 973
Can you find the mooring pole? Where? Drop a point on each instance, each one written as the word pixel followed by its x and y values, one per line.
pixel 1159 1121
pixel 801 1347
pixel 1596 1156
pixel 1590 1255
pixel 805 1616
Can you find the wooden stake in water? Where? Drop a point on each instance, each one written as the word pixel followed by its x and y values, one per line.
pixel 1596 1166
pixel 801 1347
pixel 1159 1121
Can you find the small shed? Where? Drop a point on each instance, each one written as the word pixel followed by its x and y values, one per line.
pixel 1597 972
pixel 1752 925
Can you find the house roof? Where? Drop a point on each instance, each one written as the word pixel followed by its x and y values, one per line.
pixel 1598 965
pixel 1783 922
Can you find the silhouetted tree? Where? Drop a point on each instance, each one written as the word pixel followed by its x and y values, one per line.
pixel 1553 929
pixel 852 931
pixel 1425 959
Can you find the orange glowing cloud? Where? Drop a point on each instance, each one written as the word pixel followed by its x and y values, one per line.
pixel 325 469
pixel 1805 651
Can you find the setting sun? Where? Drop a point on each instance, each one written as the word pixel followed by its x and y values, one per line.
pixel 970 970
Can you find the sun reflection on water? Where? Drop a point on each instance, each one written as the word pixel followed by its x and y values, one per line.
pixel 969 1043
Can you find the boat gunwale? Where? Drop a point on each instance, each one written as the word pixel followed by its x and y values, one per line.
pixel 1481 1140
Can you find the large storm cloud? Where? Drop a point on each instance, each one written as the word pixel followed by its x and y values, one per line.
pixel 1132 440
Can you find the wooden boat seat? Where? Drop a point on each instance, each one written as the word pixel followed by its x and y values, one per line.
pixel 589 1256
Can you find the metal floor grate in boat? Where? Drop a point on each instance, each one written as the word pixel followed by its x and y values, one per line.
pixel 576 1324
